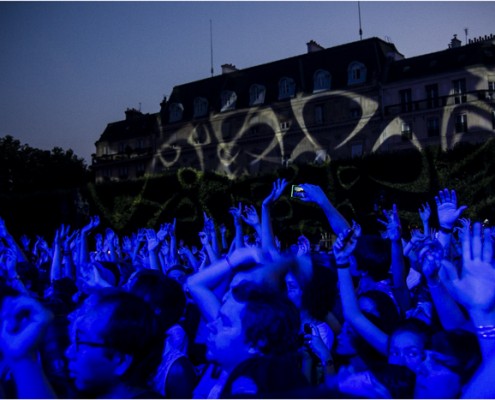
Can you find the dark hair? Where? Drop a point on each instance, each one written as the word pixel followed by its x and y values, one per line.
pixel 388 314
pixel 373 255
pixel 415 326
pixel 399 380
pixel 462 351
pixel 271 321
pixel 319 295
pixel 132 329
pixel 164 294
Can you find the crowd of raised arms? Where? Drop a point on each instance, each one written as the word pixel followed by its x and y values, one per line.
pixel 390 314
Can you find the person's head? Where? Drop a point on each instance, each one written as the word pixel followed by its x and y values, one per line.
pixel 179 273
pixel 115 340
pixel 450 362
pixel 373 256
pixel 408 343
pixel 164 294
pixel 381 305
pixel 253 321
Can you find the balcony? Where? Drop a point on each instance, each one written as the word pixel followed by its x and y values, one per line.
pixel 440 102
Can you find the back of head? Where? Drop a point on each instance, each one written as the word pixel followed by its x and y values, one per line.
pixel 164 294
pixel 132 329
pixel 319 295
pixel 373 256
pixel 385 309
pixel 270 319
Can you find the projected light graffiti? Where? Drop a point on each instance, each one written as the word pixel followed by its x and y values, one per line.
pixel 267 137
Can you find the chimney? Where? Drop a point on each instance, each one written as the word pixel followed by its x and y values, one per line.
pixel 313 46
pixel 132 114
pixel 228 68
pixel 454 43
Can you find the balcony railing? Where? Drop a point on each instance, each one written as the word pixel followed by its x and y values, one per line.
pixel 439 102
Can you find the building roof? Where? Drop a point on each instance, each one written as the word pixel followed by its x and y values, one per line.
pixel 477 53
pixel 135 125
pixel 373 53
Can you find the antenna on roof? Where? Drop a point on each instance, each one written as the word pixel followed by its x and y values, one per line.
pixel 466 32
pixel 211 48
pixel 360 30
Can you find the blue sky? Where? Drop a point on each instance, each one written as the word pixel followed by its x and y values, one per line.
pixel 67 69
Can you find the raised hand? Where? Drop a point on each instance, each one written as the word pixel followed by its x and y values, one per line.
pixel 447 209
pixel 313 194
pixel 250 216
pixel 425 213
pixel 236 212
pixel 93 223
pixel 304 246
pixel 278 187
pixel 392 223
pixel 152 239
pixel 23 324
pixel 346 243
pixel 474 286
pixel 25 241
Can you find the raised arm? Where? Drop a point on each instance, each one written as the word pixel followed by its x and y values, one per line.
pixel 315 194
pixel 83 239
pixel 267 237
pixel 24 322
pixel 474 288
pixel 343 249
pixel 448 214
pixel 398 267
pixel 236 213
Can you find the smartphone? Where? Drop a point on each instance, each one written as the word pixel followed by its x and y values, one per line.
pixel 348 235
pixel 307 329
pixel 297 192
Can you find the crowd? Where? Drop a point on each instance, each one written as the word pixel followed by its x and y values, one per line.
pixel 389 314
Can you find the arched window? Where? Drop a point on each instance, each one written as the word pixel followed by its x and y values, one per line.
pixel 256 94
pixel 175 112
pixel 321 80
pixel 200 107
pixel 286 88
pixel 228 99
pixel 356 73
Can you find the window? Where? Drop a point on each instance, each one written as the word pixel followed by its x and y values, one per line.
pixel 286 88
pixel 319 115
pixel 200 107
pixel 406 130
pixel 123 172
pixel 121 148
pixel 432 127
pixel 405 100
pixel 321 81
pixel 459 89
pixel 461 123
pixel 140 169
pixel 356 73
pixel 175 112
pixel 490 95
pixel 356 150
pixel 256 94
pixel 431 95
pixel 228 98
pixel 284 125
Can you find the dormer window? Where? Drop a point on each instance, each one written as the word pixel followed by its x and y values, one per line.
pixel 256 94
pixel 200 107
pixel 175 112
pixel 321 81
pixel 356 73
pixel 286 88
pixel 228 99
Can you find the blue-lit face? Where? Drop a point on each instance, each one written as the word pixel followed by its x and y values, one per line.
pixel 294 291
pixel 90 364
pixel 436 381
pixel 406 349
pixel 226 343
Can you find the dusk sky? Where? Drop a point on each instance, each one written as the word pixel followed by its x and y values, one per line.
pixel 67 69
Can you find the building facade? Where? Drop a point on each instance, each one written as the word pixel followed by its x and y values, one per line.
pixel 341 102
